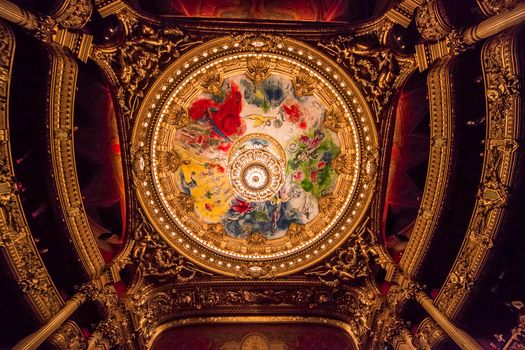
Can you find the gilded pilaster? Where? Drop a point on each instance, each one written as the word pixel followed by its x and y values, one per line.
pixel 61 113
pixel 16 242
pixel 503 94
pixel 87 291
pixel 442 119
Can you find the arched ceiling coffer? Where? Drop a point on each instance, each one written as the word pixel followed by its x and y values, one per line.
pixel 254 156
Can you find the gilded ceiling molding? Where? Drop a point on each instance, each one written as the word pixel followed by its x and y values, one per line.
pixel 61 113
pixel 151 306
pixel 375 68
pixel 432 20
pixel 347 328
pixel 68 337
pixel 134 64
pixel 502 85
pixel 16 242
pixel 492 7
pixel 442 116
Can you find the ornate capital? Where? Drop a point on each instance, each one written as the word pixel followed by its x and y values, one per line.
pixel 398 294
pixel 428 335
pixel 394 327
pixel 109 332
pixel 74 14
pixel 432 21
pixel 68 337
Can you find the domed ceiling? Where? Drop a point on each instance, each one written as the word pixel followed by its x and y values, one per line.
pixel 255 155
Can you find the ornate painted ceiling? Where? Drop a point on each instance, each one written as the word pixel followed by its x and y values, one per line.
pixel 255 155
pixel 270 175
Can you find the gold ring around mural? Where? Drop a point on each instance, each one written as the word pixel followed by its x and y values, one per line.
pixel 325 131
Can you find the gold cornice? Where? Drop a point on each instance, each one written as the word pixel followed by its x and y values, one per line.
pixel 503 103
pixel 16 242
pixel 61 112
pixel 347 328
pixel 152 305
pixel 442 115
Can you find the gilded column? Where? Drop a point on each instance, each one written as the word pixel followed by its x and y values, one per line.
pixel 495 24
pixel 462 339
pixel 88 291
pixel 407 289
pixel 17 15
pixel 458 41
pixel 34 340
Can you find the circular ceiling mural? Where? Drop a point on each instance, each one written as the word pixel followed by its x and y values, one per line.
pixel 254 156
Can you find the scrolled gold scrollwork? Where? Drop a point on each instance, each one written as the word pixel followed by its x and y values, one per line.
pixel 178 117
pixel 214 234
pixel 345 163
pixel 492 7
pixel 350 262
pixel 304 83
pixel 68 337
pixel 256 243
pixel 211 80
pixel 169 161
pixel 432 20
pixel 257 68
pixel 428 335
pixel 335 120
pixel 375 68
